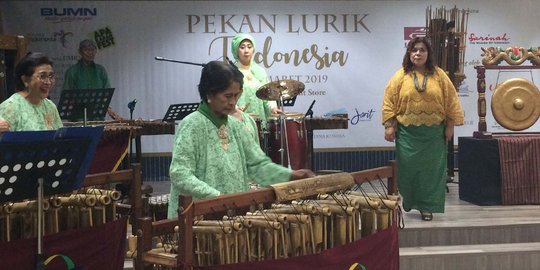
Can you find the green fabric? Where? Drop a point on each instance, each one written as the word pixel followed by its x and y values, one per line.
pixel 251 126
pixel 201 167
pixel 206 111
pixel 24 116
pixel 86 76
pixel 254 78
pixel 421 161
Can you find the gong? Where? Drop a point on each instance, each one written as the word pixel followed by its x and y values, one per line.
pixel 516 104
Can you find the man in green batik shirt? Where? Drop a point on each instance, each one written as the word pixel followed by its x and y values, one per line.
pixel 86 74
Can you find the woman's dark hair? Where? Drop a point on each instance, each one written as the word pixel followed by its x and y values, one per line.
pixel 216 77
pixel 27 66
pixel 408 66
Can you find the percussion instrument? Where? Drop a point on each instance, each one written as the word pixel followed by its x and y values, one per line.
pixel 516 104
pixel 285 220
pixel 258 122
pixel 294 149
pixel 280 90
pixel 90 206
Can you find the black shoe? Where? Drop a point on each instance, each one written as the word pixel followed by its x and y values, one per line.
pixel 426 216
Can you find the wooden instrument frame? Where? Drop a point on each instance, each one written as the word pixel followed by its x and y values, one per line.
pixel 133 176
pixel 188 209
pixel 17 43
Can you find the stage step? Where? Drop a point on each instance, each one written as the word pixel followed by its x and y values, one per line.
pixel 469 236
pixel 498 232
pixel 522 256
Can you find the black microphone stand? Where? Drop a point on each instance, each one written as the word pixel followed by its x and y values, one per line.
pixel 131 106
pixel 176 61
pixel 309 113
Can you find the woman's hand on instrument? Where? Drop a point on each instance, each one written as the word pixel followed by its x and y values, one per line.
pixel 390 134
pixel 301 174
pixel 4 126
pixel 276 110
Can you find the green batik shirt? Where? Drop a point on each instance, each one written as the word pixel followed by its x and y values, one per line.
pixel 208 161
pixel 25 116
pixel 86 76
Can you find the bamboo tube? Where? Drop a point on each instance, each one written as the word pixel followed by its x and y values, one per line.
pixel 55 202
pixel 282 218
pixel 236 226
pixel 28 206
pixel 374 196
pixel 265 224
pixel 212 229
pixel 114 194
pixel 77 200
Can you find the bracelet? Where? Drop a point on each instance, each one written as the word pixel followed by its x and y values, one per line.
pixel 388 124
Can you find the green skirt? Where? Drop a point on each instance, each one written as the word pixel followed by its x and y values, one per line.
pixel 421 154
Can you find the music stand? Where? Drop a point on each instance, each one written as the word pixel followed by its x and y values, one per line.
pixel 52 164
pixel 289 102
pixel 179 111
pixel 84 104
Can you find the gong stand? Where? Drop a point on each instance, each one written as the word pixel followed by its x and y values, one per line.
pixel 482 131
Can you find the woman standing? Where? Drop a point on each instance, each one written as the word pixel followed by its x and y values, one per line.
pixel 243 49
pixel 213 154
pixel 420 109
pixel 29 109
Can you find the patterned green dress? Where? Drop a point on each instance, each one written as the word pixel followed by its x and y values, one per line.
pixel 24 116
pixel 213 156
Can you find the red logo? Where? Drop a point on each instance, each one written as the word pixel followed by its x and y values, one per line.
pixel 413 32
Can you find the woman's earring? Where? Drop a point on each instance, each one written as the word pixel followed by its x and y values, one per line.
pixel 209 101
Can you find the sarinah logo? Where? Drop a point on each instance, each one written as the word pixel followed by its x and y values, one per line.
pixel 485 39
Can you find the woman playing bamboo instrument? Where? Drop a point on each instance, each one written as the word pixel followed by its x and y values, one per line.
pixel 212 153
pixel 419 111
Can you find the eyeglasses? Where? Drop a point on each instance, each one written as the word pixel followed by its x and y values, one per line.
pixel 43 77
pixel 420 50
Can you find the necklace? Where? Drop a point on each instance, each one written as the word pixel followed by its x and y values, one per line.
pixel 223 135
pixel 424 82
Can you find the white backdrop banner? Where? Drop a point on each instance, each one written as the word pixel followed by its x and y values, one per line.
pixel 343 51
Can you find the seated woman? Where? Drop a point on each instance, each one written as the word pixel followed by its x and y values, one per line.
pixel 29 109
pixel 213 154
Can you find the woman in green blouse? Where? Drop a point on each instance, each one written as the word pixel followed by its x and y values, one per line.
pixel 30 109
pixel 213 154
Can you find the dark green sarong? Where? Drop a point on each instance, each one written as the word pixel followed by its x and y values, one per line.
pixel 421 161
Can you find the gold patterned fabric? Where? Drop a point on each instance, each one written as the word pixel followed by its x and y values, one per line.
pixel 437 104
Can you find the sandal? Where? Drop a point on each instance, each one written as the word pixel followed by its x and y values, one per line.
pixel 426 216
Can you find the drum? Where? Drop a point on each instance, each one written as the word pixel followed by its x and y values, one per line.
pixel 295 141
pixel 259 127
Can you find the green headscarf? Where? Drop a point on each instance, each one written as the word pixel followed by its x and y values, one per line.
pixel 257 71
